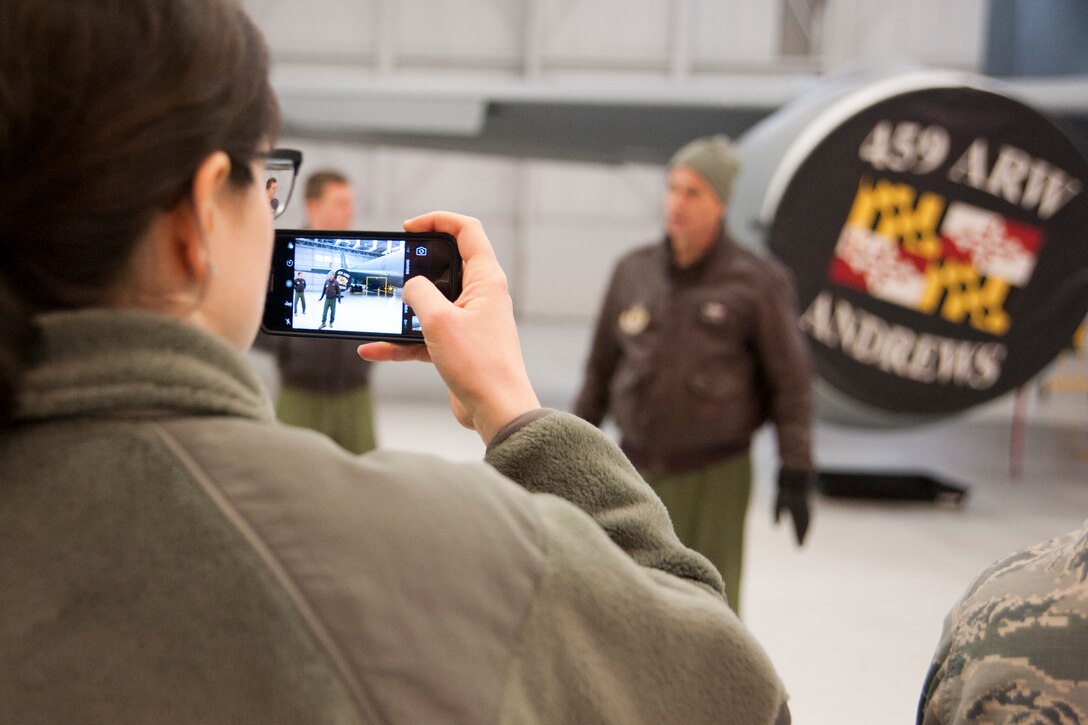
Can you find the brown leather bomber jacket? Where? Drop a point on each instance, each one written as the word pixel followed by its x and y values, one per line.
pixel 691 362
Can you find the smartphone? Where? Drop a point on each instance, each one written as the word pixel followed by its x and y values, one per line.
pixel 348 284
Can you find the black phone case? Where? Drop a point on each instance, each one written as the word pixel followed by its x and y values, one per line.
pixel 364 275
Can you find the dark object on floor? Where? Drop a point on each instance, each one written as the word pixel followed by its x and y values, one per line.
pixel 889 486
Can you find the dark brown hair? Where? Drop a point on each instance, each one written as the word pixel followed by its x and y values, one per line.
pixel 317 181
pixel 107 108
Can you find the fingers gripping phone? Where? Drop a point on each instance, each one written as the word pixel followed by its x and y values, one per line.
pixel 348 284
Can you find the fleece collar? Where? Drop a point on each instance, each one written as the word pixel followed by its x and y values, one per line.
pixel 117 363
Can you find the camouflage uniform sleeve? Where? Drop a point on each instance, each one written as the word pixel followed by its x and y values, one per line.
pixel 1014 648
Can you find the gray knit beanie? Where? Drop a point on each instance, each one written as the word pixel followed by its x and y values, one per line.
pixel 715 158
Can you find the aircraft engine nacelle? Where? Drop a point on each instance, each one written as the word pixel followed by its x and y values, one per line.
pixel 937 231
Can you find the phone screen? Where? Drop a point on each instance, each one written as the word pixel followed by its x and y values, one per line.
pixel 349 284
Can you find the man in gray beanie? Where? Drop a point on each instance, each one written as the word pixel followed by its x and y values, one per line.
pixel 696 346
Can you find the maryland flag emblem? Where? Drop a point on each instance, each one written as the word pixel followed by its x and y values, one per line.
pixel 892 248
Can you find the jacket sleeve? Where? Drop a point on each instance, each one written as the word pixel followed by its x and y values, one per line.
pixel 604 355
pixel 786 369
pixel 627 625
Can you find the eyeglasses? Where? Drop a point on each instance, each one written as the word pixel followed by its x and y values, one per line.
pixel 280 172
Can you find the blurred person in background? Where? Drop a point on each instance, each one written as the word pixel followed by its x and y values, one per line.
pixel 323 383
pixel 695 347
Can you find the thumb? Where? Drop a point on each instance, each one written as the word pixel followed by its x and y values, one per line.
pixel 424 298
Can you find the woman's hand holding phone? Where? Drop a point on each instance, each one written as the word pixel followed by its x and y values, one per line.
pixel 473 342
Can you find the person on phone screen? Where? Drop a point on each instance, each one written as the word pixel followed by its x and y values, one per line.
pixel 330 292
pixel 322 383
pixel 300 293
pixel 696 345
pixel 174 554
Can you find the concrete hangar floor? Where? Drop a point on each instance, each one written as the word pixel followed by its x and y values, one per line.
pixel 370 312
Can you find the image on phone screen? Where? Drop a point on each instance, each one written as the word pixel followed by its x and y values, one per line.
pixel 350 284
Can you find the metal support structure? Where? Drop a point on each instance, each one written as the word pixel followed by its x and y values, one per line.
pixel 385 20
pixel 521 223
pixel 533 39
pixel 680 39
pixel 808 22
pixel 1016 433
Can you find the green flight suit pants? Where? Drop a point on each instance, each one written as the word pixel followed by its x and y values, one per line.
pixel 347 417
pixel 329 310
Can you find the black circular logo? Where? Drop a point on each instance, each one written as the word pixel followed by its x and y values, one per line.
pixel 939 240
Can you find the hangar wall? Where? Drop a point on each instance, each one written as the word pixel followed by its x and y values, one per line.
pixel 559 226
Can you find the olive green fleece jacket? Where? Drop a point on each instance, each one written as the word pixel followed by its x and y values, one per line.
pixel 170 553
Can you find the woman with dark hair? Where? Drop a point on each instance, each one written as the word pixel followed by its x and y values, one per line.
pixel 171 553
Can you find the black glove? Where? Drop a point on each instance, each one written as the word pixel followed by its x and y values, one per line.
pixel 793 488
